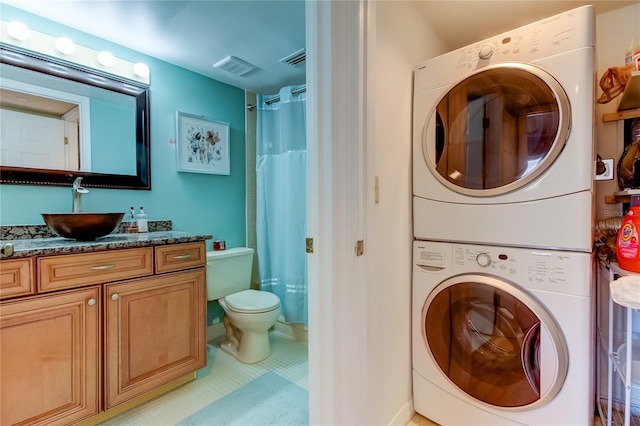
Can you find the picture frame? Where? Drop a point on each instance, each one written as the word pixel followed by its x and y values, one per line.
pixel 202 145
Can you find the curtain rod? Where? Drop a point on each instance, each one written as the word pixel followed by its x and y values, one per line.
pixel 276 98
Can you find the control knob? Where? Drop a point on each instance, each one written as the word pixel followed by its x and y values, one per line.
pixel 483 260
pixel 485 52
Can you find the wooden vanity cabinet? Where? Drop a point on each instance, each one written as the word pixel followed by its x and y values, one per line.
pixel 154 332
pixel 50 358
pixel 106 329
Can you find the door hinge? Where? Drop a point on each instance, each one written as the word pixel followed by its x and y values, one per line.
pixel 359 247
pixel 309 245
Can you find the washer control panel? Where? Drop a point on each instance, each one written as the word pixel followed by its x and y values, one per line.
pixel 551 270
pixel 490 259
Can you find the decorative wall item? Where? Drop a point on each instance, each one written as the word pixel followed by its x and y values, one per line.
pixel 202 145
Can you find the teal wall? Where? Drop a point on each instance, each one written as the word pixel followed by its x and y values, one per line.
pixel 200 203
pixel 107 154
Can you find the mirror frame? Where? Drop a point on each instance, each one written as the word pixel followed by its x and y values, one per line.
pixel 29 60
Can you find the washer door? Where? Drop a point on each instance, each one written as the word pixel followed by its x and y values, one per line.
pixel 497 130
pixel 494 341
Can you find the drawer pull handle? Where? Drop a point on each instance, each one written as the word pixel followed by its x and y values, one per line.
pixel 99 268
pixel 115 296
pixel 182 256
pixel 91 302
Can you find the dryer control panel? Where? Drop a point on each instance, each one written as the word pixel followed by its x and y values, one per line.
pixel 552 36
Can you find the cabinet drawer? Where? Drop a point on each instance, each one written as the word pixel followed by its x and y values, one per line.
pixel 16 278
pixel 176 257
pixel 74 270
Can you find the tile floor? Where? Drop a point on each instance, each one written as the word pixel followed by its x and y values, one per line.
pixel 418 420
pixel 221 377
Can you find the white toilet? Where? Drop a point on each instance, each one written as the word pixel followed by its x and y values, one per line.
pixel 249 314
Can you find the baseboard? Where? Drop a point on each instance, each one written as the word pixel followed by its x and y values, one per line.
pixel 404 415
pixel 215 330
pixel 296 331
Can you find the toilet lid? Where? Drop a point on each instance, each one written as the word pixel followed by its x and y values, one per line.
pixel 252 301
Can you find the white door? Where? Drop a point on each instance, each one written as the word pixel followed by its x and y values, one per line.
pixel 31 141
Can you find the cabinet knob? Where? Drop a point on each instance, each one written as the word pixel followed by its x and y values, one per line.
pixel 115 296
pixel 91 302
pixel 7 249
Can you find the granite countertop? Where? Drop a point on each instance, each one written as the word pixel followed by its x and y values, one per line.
pixel 59 245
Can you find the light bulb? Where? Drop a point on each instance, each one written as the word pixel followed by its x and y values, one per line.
pixel 141 70
pixel 18 31
pixel 106 59
pixel 65 45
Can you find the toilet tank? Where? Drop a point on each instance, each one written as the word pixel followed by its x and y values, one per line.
pixel 228 271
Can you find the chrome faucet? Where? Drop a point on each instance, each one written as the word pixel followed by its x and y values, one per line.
pixel 77 195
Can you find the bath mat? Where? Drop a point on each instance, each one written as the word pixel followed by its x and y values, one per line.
pixel 268 400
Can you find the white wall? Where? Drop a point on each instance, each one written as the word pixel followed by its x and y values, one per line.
pixel 615 30
pixel 398 39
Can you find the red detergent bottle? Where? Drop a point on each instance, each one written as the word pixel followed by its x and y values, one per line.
pixel 627 245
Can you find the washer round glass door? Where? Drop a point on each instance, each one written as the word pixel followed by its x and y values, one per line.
pixel 494 341
pixel 497 130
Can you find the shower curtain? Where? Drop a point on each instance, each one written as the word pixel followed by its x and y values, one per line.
pixel 281 199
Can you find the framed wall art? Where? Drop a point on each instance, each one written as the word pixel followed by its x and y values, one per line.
pixel 202 145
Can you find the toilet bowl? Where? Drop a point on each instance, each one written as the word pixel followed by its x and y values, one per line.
pixel 249 314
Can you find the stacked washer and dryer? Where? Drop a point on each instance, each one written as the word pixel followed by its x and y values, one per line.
pixel 503 158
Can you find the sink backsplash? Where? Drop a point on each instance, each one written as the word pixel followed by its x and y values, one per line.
pixel 20 232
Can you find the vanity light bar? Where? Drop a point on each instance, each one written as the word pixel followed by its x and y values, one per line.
pixel 20 36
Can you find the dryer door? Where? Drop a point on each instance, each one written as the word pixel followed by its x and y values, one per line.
pixel 497 130
pixel 494 341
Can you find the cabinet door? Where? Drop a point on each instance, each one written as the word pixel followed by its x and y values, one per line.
pixel 155 332
pixel 49 358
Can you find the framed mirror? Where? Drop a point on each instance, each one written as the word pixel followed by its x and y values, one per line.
pixel 61 121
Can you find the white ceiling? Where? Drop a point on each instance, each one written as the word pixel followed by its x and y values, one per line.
pixel 196 34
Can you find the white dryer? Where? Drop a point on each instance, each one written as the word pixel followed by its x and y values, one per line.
pixel 502 335
pixel 503 148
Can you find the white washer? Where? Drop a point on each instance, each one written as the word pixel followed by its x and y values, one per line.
pixel 503 148
pixel 502 335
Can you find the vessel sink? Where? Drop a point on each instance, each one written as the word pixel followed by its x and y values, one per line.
pixel 82 226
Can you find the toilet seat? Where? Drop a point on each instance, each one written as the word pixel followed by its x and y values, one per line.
pixel 252 301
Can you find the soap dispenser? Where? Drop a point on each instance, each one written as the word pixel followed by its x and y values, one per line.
pixel 142 221
pixel 133 225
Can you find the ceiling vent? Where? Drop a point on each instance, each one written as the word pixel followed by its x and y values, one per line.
pixel 234 65
pixel 295 58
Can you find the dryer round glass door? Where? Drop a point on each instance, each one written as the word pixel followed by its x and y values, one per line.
pixel 497 130
pixel 494 341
